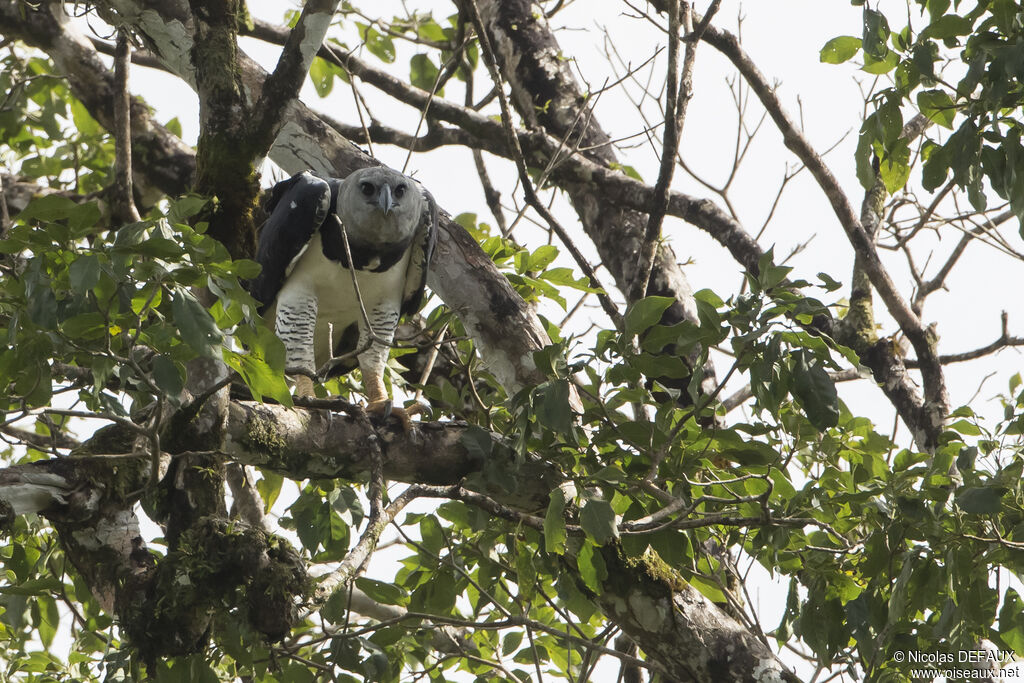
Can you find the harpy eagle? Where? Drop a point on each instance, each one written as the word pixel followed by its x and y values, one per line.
pixel 306 285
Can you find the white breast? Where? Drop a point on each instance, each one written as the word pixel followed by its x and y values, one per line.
pixel 331 284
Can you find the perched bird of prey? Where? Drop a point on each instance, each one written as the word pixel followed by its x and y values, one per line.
pixel 320 311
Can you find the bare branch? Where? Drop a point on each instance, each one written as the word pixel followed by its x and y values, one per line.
pixel 1005 340
pixel 674 114
pixel 123 195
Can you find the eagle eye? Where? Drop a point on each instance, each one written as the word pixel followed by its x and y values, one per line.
pixel 399 190
pixel 367 188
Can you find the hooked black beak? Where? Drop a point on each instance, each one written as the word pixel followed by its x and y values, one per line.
pixel 384 199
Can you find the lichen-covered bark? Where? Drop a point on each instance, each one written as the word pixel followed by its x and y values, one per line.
pixel 673 623
pixel 858 331
pixel 317 444
pixel 680 628
pixel 193 487
pixel 217 566
pixel 304 443
pixel 214 564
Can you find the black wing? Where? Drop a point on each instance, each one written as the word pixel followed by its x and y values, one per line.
pixel 297 207
pixel 422 251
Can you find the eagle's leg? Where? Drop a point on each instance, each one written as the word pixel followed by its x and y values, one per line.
pixel 295 325
pixel 372 363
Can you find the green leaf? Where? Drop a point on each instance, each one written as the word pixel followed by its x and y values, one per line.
pixel 477 442
pixel 829 284
pixel 542 257
pixel 554 523
pixel 895 167
pixel 269 487
pixel 40 586
pixel 54 207
pixel 167 376
pixel 948 26
pixel 1011 620
pixel 84 272
pixel 42 308
pixel 816 392
pixel 156 247
pixel 49 619
pixel 84 122
pixel 592 568
pixel 876 34
pixel 628 170
pixel 195 324
pixel 880 66
pixel 552 408
pixel 966 427
pixel 936 166
pixel 184 208
pixel 431 535
pixel 840 49
pixel 981 500
pixel 937 106
pixel 436 596
pixel 900 590
pixel 646 313
pixel 322 75
pixel 174 126
pixel 431 30
pixel 711 590
pixel 385 593
pixel 84 326
pixel 422 72
pixel 259 376
pixel 379 45
pixel 598 521
pixel 510 642
pixel 673 546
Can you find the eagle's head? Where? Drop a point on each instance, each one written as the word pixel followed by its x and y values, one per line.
pixel 380 205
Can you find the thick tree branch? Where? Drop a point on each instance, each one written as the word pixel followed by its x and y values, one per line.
pixel 600 179
pixel 43 442
pixel 282 86
pixel 226 153
pixel 1004 341
pixel 358 555
pixel 547 96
